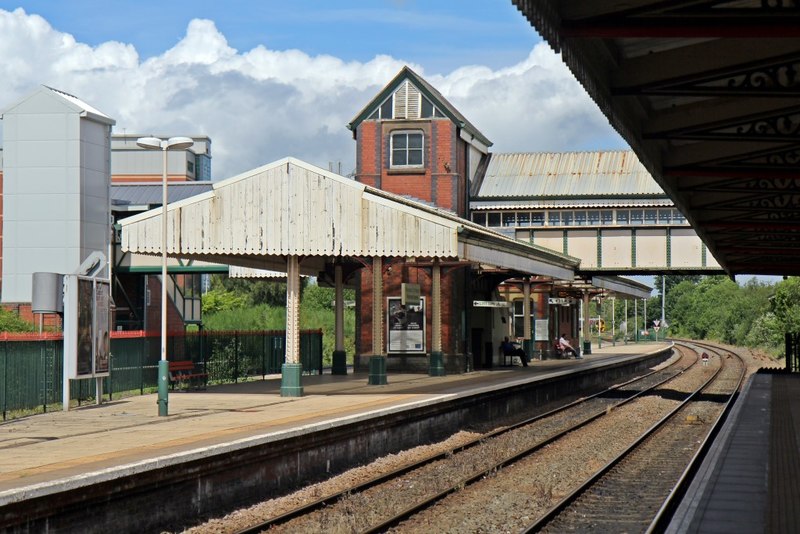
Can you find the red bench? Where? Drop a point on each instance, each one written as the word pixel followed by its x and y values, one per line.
pixel 183 373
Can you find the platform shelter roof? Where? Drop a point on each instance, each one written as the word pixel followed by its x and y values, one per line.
pixel 290 207
pixel 706 93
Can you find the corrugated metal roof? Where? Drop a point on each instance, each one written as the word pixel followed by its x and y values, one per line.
pixel 536 204
pixel 567 174
pixel 290 207
pixel 149 193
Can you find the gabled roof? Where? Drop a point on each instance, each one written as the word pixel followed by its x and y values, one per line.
pixel 430 93
pixel 600 174
pixel 290 207
pixel 67 100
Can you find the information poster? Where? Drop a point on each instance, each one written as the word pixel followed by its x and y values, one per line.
pixel 86 326
pixel 406 325
pixel 542 330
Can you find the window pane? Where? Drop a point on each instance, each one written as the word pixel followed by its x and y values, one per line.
pixel 523 218
pixel 637 216
pixel 607 217
pixel 509 219
pixel 415 157
pixel 566 218
pixel 399 141
pixel 593 217
pixel 415 140
pixel 494 219
pixel 623 216
pixel 399 157
pixel 677 217
pixel 518 307
pixel 427 108
pixel 664 216
pixel 386 109
pixel 580 218
pixel 479 218
pixel 537 218
pixel 650 216
pixel 554 218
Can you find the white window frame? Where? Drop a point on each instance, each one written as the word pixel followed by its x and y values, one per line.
pixel 392 135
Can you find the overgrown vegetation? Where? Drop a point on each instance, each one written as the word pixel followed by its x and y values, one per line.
pixel 754 314
pixel 10 322
pixel 237 304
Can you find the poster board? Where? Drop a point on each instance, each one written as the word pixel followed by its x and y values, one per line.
pixel 542 330
pixel 406 327
pixel 86 327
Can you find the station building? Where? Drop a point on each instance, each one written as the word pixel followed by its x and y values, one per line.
pixel 412 144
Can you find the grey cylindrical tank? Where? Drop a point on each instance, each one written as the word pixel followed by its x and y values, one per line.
pixel 48 293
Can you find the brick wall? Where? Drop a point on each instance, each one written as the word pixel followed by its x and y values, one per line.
pixel 442 182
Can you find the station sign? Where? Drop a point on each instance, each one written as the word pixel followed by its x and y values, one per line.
pixel 491 304
pixel 560 301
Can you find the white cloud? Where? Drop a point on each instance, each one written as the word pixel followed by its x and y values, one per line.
pixel 261 105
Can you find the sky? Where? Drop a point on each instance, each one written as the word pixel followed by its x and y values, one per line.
pixel 266 79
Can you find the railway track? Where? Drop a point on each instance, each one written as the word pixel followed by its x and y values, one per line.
pixel 637 490
pixel 449 472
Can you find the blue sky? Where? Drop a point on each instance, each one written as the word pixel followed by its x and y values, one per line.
pixel 269 79
pixel 438 34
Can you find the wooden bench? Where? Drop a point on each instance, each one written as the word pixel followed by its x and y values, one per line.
pixel 183 373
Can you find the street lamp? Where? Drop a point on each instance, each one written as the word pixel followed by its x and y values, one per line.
pixel 173 143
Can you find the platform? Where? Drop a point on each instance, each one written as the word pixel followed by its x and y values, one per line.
pixel 750 480
pixel 128 434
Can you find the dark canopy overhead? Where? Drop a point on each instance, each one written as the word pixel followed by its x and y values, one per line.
pixel 706 93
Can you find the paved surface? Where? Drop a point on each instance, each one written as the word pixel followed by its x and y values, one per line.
pixel 750 481
pixel 94 442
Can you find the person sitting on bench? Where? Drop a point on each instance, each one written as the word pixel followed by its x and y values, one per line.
pixel 566 348
pixel 509 349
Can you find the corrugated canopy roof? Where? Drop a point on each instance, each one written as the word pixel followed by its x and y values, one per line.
pixel 290 207
pixel 149 193
pixel 567 174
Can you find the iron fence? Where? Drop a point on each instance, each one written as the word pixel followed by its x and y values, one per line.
pixel 31 366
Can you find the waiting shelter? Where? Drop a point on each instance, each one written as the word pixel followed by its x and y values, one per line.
pixel 294 217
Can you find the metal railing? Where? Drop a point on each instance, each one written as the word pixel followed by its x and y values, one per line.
pixel 31 364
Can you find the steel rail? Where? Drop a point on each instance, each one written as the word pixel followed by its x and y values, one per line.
pixel 380 479
pixel 572 497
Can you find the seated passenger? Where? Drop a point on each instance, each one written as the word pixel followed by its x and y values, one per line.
pixel 509 349
pixel 566 348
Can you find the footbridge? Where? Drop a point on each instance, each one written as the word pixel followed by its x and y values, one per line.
pixel 602 207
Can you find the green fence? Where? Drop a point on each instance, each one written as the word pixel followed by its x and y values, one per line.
pixel 31 366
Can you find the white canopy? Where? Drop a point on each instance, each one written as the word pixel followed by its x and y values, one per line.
pixel 290 207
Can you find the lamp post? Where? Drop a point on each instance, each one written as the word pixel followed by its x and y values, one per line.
pixel 173 143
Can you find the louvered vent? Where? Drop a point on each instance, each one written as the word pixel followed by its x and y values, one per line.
pixel 406 102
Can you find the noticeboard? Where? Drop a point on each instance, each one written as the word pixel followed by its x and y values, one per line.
pixel 406 326
pixel 86 326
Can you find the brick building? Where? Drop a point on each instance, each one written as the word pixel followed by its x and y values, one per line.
pixel 412 142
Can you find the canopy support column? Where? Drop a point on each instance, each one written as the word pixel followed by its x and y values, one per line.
pixel 339 364
pixel 437 359
pixel 587 334
pixel 292 369
pixel 527 341
pixel 377 362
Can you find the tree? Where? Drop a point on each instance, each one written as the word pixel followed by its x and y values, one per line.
pixel 786 304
